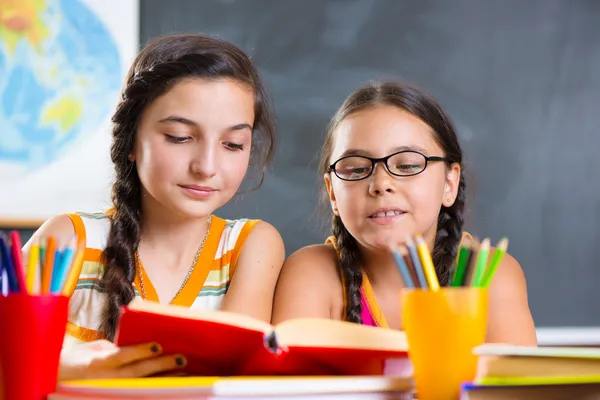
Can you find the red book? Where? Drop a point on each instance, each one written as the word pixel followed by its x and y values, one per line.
pixel 218 343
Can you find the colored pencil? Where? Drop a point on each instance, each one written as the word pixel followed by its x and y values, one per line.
pixel 481 262
pixel 11 277
pixel 499 253
pixel 470 267
pixel 1 276
pixel 411 267
pixel 63 267
pixel 55 274
pixel 32 265
pixel 48 264
pixel 460 268
pixel 17 259
pixel 76 266
pixel 427 262
pixel 410 244
pixel 403 268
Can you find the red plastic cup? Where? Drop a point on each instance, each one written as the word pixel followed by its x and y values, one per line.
pixel 32 330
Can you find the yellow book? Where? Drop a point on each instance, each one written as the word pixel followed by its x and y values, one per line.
pixel 194 387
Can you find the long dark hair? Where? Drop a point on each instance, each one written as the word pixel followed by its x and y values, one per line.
pixel 161 64
pixel 450 219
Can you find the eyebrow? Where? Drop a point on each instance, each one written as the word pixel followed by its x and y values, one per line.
pixel 360 152
pixel 186 121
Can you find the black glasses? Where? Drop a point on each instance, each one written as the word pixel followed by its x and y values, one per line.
pixel 403 163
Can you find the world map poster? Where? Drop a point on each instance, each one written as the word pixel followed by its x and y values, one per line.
pixel 62 65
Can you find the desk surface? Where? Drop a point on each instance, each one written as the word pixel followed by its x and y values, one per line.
pixel 571 336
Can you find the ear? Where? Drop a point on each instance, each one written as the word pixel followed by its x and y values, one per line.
pixel 451 185
pixel 330 193
pixel 131 157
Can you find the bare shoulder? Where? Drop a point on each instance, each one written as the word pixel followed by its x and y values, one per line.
pixel 263 243
pixel 265 231
pixel 257 269
pixel 309 285
pixel 509 274
pixel 60 226
pixel 317 260
pixel 510 319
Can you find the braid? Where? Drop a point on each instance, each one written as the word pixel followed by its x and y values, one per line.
pixel 350 266
pixel 119 273
pixel 124 235
pixel 449 235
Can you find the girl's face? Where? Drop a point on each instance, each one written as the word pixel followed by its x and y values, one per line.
pixel 193 145
pixel 385 207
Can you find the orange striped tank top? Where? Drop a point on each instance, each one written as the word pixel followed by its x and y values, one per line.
pixel 205 288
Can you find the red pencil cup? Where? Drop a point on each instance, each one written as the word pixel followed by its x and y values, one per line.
pixel 32 330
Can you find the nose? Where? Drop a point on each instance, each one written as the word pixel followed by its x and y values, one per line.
pixel 204 160
pixel 381 181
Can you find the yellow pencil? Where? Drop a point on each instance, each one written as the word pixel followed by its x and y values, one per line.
pixel 75 270
pixel 32 265
pixel 427 263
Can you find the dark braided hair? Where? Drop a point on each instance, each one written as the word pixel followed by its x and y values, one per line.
pixel 159 66
pixel 350 267
pixel 450 219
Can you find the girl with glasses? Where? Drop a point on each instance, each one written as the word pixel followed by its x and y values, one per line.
pixel 392 167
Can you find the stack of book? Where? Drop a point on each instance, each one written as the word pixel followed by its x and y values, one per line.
pixel 523 372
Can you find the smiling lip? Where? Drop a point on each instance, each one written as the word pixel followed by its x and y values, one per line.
pixel 201 192
pixel 386 215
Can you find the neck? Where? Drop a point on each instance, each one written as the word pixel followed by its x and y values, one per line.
pixel 380 266
pixel 170 236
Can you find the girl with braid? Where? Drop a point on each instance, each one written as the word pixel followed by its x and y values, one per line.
pixel 392 167
pixel 192 117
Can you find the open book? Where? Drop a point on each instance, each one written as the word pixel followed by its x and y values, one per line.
pixel 218 343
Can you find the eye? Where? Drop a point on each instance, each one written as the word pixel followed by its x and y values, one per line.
pixel 176 139
pixel 234 146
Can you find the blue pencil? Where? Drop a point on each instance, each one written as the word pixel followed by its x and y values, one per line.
pixel 1 276
pixel 11 274
pixel 4 285
pixel 57 271
pixel 66 259
pixel 3 281
pixel 408 282
pixel 410 244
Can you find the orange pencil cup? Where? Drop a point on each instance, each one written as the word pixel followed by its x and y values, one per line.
pixel 442 328
pixel 32 330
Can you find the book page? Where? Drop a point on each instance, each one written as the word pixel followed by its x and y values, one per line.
pixel 532 351
pixel 222 317
pixel 317 332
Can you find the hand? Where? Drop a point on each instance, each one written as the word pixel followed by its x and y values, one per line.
pixel 102 359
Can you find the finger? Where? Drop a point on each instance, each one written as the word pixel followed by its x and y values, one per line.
pixel 131 354
pixel 152 366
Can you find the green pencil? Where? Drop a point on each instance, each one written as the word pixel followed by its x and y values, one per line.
pixel 480 264
pixel 497 257
pixel 460 268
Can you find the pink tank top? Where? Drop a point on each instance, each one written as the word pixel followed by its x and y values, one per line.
pixel 366 316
